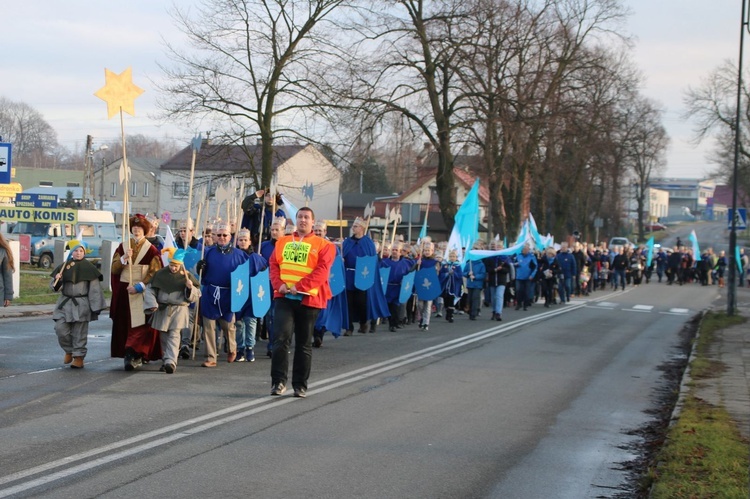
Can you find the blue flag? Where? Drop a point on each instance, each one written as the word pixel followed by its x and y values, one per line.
pixel 427 284
pixel 385 272
pixel 364 272
pixel 261 297
pixel 738 259
pixel 240 286
pixel 696 250
pixel 192 256
pixel 337 277
pixel 649 251
pixel 407 286
pixel 466 229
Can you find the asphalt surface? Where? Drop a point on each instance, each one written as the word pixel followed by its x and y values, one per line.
pixel 731 347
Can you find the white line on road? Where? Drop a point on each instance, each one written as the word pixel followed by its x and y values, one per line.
pixel 211 420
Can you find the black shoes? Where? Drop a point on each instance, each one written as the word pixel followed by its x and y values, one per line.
pixel 184 352
pixel 300 393
pixel 317 341
pixel 279 389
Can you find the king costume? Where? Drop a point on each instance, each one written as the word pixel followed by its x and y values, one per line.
pixel 132 337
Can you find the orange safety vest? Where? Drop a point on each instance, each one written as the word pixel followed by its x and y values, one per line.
pixel 297 259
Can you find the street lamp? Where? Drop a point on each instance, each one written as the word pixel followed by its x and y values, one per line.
pixel 732 289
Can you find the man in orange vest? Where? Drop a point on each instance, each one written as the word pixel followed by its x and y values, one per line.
pixel 299 268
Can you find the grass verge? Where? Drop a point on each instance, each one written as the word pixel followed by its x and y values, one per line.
pixel 35 290
pixel 705 455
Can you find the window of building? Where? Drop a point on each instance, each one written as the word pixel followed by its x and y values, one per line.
pixel 180 189
pixel 134 189
pixel 146 189
pixel 114 189
pixel 45 183
pixel 73 184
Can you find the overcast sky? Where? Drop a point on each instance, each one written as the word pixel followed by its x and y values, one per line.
pixel 54 54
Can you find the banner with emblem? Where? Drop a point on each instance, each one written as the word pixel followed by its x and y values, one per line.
pixel 337 278
pixel 385 273
pixel 364 272
pixel 240 287
pixel 261 295
pixel 427 284
pixel 407 286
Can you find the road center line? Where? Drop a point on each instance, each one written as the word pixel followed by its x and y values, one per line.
pixel 214 419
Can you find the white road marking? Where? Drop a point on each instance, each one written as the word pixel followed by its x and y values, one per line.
pixel 177 431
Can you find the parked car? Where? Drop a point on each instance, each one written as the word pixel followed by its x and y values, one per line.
pixel 620 241
pixel 653 227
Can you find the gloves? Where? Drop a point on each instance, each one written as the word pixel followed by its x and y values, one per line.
pixel 201 266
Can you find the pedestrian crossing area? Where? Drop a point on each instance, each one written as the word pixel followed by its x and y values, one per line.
pixel 638 308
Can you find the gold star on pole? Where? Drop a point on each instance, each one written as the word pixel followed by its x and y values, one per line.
pixel 119 92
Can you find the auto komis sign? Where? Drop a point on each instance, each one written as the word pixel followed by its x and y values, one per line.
pixel 51 215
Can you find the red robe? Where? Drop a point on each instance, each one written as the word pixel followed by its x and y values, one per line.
pixel 143 339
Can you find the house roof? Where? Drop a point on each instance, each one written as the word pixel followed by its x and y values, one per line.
pixel 136 163
pixel 464 177
pixel 229 158
pixel 723 195
pixel 360 200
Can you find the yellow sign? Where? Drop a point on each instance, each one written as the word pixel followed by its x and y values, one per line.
pixel 10 190
pixel 48 215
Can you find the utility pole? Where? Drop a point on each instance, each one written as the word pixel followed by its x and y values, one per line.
pixel 87 187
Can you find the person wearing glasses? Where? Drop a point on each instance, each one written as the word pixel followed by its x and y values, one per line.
pixel 299 267
pixel 218 263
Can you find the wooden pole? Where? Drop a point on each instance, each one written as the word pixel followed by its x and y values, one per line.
pixel 190 191
pixel 125 199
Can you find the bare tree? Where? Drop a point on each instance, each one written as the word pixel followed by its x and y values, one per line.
pixel 250 73
pixel 408 68
pixel 34 140
pixel 648 145
pixel 713 107
pixel 521 68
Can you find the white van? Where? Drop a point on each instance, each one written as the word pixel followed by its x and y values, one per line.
pixel 95 226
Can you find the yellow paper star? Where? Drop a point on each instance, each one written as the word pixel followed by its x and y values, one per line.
pixel 119 92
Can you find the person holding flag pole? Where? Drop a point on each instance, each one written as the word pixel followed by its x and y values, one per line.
pixel 132 337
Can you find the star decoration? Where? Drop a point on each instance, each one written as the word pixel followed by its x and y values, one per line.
pixel 240 286
pixel 365 272
pixel 406 285
pixel 119 92
pixel 261 292
pixel 426 283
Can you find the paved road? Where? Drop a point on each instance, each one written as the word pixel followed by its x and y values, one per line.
pixel 536 406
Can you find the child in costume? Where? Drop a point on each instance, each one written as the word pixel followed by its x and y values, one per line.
pixel 81 300
pixel 167 298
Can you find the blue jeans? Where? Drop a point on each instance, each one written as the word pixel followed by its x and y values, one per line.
pixel 524 292
pixel 497 295
pixel 565 288
pixel 620 278
pixel 245 331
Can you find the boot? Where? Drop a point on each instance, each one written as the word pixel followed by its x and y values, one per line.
pixel 449 315
pixel 68 358
pixel 77 363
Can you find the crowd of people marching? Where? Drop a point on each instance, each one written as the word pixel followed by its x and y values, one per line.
pixel 168 302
